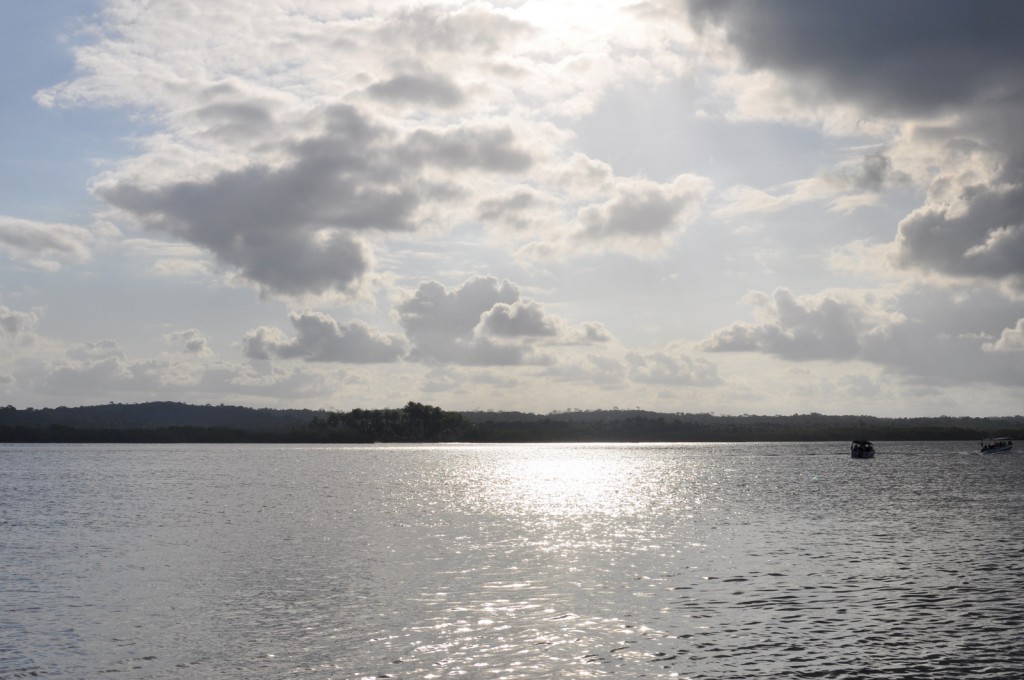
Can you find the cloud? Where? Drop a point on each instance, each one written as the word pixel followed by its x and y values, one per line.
pixel 908 58
pixel 291 228
pixel 441 324
pixel 587 333
pixel 474 29
pixel 602 371
pixel 96 351
pixel 192 342
pixel 522 318
pixel 44 245
pixel 298 140
pixel 799 330
pixel 16 325
pixel 874 172
pixel 1010 340
pixel 485 322
pixel 514 211
pixel 938 336
pixel 103 369
pixel 643 210
pixel 980 236
pixel 320 337
pixel 432 89
pixel 492 149
pixel 946 76
pixel 670 368
pixel 299 227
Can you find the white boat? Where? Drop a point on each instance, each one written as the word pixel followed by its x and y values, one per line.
pixel 996 445
pixel 862 448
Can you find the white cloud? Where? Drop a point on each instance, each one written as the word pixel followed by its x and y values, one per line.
pixel 332 155
pixel 96 351
pixel 1010 340
pixel 341 126
pixel 522 318
pixel 643 211
pixel 602 371
pixel 936 337
pixel 44 245
pixel 320 337
pixel 823 328
pixel 484 321
pixel 670 368
pixel 440 323
pixel 192 342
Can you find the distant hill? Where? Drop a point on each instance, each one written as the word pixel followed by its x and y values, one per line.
pixel 175 422
pixel 157 414
pixel 161 421
pixel 640 425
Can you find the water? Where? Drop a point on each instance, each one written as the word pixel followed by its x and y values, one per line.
pixel 571 561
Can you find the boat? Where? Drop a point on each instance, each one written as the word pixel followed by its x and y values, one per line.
pixel 996 445
pixel 862 448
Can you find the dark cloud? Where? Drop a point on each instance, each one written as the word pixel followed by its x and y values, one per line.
pixel 293 229
pixel 923 59
pixel 319 337
pixel 983 238
pixel 909 57
pixel 270 223
pixel 431 89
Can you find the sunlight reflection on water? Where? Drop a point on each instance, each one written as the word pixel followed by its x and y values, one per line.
pixel 703 561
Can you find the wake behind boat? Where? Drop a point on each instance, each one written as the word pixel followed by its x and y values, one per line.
pixel 996 445
pixel 862 448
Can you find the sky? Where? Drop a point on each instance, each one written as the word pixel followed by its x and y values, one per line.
pixel 724 206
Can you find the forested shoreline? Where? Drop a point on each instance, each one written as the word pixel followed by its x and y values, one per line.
pixel 171 422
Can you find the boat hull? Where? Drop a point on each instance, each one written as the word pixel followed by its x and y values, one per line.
pixel 862 448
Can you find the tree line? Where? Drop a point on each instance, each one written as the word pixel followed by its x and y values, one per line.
pixel 168 422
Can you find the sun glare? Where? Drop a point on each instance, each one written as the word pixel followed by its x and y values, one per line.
pixel 564 480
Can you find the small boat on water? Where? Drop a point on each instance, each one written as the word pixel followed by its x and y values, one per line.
pixel 996 445
pixel 862 448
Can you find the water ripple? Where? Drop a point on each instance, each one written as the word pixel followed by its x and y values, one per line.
pixel 691 561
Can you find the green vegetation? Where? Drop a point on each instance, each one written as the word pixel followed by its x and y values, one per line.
pixel 169 422
pixel 412 423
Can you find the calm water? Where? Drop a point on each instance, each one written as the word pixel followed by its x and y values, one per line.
pixel 578 561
